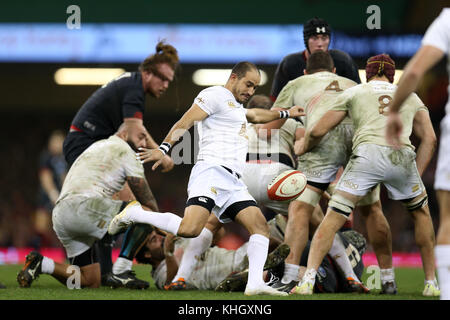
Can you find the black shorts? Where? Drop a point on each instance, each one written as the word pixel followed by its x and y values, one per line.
pixel 74 145
pixel 229 212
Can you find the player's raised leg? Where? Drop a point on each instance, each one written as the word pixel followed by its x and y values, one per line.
pixel 195 248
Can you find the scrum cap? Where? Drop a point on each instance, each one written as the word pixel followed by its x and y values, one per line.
pixel 313 27
pixel 380 65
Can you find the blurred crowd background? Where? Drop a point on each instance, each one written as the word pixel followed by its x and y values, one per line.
pixel 32 105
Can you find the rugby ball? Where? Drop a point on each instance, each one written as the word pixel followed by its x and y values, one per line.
pixel 287 185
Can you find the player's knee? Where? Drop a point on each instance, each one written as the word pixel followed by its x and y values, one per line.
pixel 299 210
pixel 340 204
pixel 189 230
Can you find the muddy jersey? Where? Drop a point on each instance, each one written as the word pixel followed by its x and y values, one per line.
pixel 314 92
pixel 214 265
pixel 367 106
pixel 101 170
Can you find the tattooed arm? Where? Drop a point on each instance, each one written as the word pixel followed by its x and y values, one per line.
pixel 142 192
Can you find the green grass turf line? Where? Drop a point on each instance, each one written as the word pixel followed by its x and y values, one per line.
pixel 409 281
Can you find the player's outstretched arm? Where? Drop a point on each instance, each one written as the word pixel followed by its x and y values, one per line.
pixel 194 114
pixel 423 129
pixel 421 62
pixel 257 115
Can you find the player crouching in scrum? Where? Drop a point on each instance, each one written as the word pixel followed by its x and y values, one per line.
pixel 85 208
pixel 375 161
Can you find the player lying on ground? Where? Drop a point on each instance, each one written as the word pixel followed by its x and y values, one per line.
pixel 214 265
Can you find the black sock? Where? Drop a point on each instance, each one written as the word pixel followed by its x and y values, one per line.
pixel 133 239
pixel 104 252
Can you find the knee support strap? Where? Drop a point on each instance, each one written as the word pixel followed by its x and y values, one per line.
pixel 341 205
pixel 416 203
pixel 309 196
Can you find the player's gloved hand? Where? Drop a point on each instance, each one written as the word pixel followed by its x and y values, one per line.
pixel 146 155
pixel 167 164
pixel 394 129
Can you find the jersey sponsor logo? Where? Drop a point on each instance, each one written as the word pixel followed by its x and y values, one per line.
pixel 213 190
pixel 231 104
pixel 350 184
pixel 89 125
pixel 200 100
pixel 313 173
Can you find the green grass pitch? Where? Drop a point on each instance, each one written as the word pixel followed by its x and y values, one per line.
pixel 409 281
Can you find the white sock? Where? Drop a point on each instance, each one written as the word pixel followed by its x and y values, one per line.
pixel 48 265
pixel 121 265
pixel 338 254
pixel 195 248
pixel 442 253
pixel 167 221
pixel 387 275
pixel 290 273
pixel 258 246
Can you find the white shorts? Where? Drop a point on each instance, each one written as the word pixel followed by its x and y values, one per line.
pixel 372 164
pixel 215 182
pixel 257 176
pixel 323 162
pixel 442 175
pixel 80 221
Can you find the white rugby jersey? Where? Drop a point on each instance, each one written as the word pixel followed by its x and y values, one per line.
pixel 438 35
pixel 101 170
pixel 222 135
